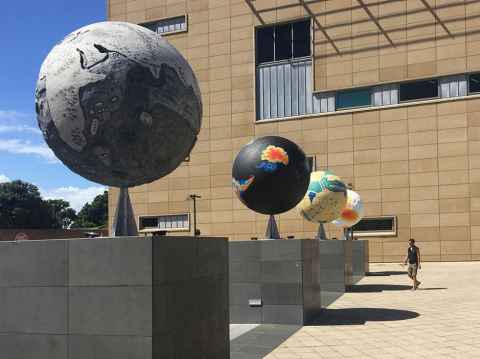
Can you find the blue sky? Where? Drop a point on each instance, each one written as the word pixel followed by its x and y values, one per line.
pixel 28 30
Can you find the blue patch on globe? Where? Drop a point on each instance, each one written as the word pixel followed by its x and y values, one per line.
pixel 267 166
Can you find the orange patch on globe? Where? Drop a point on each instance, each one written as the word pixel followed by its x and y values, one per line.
pixel 349 215
pixel 275 154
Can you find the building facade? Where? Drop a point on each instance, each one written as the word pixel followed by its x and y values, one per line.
pixel 385 94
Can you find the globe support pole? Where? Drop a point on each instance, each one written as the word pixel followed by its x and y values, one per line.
pixel 272 229
pixel 321 235
pixel 124 221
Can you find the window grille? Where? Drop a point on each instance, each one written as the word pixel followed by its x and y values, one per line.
pixel 385 95
pixel 168 26
pixel 453 86
pixel 165 222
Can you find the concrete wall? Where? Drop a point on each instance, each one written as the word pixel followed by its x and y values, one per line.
pixel 122 298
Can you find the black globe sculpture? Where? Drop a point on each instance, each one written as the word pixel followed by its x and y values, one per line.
pixel 270 176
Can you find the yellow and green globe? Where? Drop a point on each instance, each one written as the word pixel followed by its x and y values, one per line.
pixel 325 198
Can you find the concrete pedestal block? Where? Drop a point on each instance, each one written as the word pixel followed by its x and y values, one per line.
pixel 114 298
pixel 284 281
pixel 356 261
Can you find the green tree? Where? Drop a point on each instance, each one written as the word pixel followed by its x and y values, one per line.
pixel 21 206
pixel 61 214
pixel 94 214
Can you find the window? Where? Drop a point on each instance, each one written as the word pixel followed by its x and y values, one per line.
pixel 283 41
pixel 453 86
pixel 173 222
pixel 385 95
pixel 418 90
pixel 312 163
pixel 284 89
pixel 353 98
pixel 474 83
pixel 376 227
pixel 168 26
pixel 323 102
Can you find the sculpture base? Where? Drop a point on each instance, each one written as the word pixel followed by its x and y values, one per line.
pixel 124 220
pixel 138 298
pixel 272 229
pixel 290 281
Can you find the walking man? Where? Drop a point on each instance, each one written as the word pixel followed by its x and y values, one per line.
pixel 413 258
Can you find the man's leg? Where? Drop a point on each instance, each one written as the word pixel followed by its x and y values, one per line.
pixel 414 276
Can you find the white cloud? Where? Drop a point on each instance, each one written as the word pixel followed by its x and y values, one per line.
pixel 15 121
pixel 4 178
pixel 23 147
pixel 13 115
pixel 19 128
pixel 77 197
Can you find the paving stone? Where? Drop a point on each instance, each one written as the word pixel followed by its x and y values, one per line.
pixel 439 320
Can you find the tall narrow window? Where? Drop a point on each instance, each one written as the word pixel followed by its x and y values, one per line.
pixel 265 44
pixel 474 83
pixel 283 42
pixel 284 70
pixel 312 163
pixel 301 39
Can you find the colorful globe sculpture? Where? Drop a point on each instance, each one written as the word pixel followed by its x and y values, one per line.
pixel 325 198
pixel 353 211
pixel 118 104
pixel 270 175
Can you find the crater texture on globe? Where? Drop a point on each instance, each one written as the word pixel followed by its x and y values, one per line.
pixel 270 175
pixel 118 104
pixel 325 198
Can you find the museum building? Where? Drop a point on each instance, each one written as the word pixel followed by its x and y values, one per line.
pixel 384 93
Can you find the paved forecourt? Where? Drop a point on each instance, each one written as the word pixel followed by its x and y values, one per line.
pixel 381 317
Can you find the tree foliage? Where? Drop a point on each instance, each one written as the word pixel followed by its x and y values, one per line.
pixel 21 206
pixel 61 214
pixel 94 214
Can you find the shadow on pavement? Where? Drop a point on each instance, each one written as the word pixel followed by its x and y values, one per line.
pixel 371 288
pixel 260 341
pixel 386 273
pixel 440 288
pixel 359 316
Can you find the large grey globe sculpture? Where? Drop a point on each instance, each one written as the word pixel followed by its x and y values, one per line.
pixel 118 104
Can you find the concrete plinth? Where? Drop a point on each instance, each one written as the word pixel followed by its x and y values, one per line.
pixel 135 298
pixel 274 281
pixel 290 281
pixel 356 261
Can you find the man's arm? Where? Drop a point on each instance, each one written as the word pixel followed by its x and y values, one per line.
pixel 406 259
pixel 418 258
